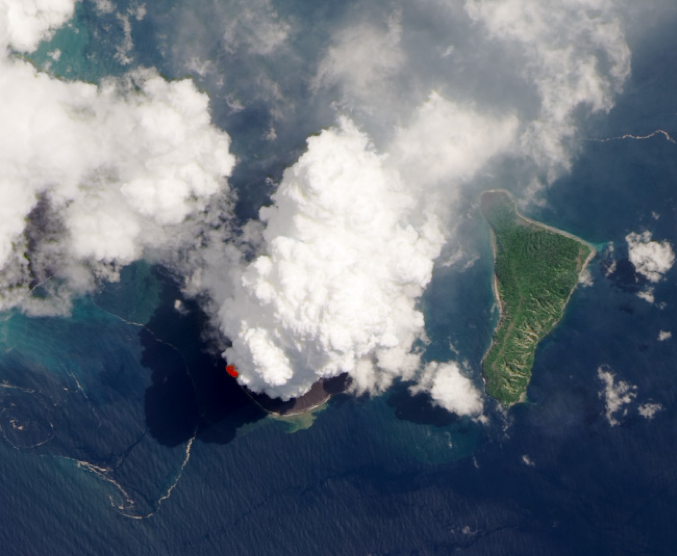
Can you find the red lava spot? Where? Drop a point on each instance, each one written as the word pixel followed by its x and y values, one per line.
pixel 232 371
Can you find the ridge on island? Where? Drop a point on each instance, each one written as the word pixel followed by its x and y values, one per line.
pixel 536 269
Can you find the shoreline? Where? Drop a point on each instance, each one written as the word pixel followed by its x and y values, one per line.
pixel 546 226
pixel 494 281
pixel 319 394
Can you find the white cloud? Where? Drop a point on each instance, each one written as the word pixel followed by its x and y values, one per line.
pixel 585 279
pixel 619 394
pixel 337 287
pixel 664 335
pixel 649 410
pixel 255 25
pixel 94 176
pixel 616 395
pixel 609 267
pixel 125 47
pixel 362 59
pixel 23 24
pixel 528 461
pixel 104 6
pixel 450 389
pixel 349 247
pixel 446 142
pixel 327 293
pixel 647 295
pixel 460 259
pixel 652 259
pixel 566 45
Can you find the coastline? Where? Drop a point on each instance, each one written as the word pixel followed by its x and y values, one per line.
pixel 494 282
pixel 546 226
pixel 319 394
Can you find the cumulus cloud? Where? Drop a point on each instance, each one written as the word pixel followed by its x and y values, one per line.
pixel 349 247
pixel 24 24
pixel 344 265
pixel 651 259
pixel 664 335
pixel 647 295
pixel 450 389
pixel 616 395
pixel 94 177
pixel 649 410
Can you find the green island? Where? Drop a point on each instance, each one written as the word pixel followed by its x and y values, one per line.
pixel 536 269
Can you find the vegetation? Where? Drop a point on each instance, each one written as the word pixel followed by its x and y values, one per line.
pixel 536 269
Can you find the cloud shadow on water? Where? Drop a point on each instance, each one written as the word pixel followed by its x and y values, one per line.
pixel 418 408
pixel 191 394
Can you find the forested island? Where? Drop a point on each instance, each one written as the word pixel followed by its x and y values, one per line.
pixel 536 268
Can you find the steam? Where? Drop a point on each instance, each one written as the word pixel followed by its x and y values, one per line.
pixel 346 263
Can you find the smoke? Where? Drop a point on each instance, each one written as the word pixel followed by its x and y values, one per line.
pixel 421 101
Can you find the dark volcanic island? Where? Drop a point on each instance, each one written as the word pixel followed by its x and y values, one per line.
pixel 536 269
pixel 320 392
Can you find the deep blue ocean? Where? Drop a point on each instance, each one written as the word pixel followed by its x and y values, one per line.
pixel 121 434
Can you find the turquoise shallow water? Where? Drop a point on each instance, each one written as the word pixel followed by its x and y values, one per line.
pixel 122 435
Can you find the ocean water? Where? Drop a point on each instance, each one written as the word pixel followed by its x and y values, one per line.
pixel 122 435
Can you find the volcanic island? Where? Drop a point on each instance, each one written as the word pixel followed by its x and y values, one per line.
pixel 318 394
pixel 536 269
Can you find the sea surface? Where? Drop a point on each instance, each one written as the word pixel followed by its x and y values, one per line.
pixel 121 434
